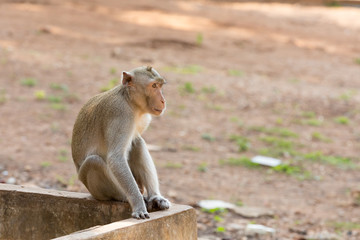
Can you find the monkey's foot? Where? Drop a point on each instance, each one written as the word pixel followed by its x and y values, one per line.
pixel 157 203
pixel 140 214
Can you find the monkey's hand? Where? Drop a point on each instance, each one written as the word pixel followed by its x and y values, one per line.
pixel 157 202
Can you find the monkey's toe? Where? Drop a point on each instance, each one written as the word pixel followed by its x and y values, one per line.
pixel 140 215
pixel 164 204
pixel 158 203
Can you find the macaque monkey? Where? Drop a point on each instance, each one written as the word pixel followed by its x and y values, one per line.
pixel 110 155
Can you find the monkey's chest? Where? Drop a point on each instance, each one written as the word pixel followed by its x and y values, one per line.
pixel 142 123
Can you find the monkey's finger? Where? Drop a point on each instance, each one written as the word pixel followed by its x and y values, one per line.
pixel 135 215
pixel 144 215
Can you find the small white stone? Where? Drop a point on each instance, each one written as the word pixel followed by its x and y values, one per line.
pixel 11 181
pixel 257 229
pixel 266 161
pixel 212 204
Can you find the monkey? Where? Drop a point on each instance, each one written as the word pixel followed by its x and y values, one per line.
pixel 109 153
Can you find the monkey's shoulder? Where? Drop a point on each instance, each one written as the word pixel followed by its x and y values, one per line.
pixel 108 104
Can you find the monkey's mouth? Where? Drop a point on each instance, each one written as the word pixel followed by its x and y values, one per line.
pixel 158 110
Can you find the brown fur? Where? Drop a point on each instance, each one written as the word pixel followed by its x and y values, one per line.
pixel 108 151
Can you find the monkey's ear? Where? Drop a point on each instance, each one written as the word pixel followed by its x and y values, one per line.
pixel 127 78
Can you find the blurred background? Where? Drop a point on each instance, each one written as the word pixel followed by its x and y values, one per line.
pixel 245 78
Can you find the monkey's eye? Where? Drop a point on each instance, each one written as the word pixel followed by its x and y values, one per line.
pixel 154 85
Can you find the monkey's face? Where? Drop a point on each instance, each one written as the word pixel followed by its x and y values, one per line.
pixel 155 98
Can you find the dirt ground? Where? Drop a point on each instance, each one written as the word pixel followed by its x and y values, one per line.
pixel 244 79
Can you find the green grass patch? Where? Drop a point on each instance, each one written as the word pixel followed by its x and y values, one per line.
pixel 199 39
pixel 293 170
pixel 347 95
pixel 332 4
pixel 191 148
pixel 61 180
pixel 221 211
pixel 214 107
pixel 64 182
pixel 342 120
pixel 58 86
pixel 242 142
pixel 235 73
pixel 202 167
pixel 236 120
pixel 113 71
pixel 281 132
pixel 71 181
pixel 287 169
pixel 308 114
pixel 242 161
pixel 187 87
pixel 55 127
pixel 54 99
pixel 344 226
pixel 186 70
pixel 209 89
pixel 28 82
pixel 217 218
pixel 343 162
pixel 313 122
pixel 220 229
pixel 2 96
pixel 173 165
pixel 40 95
pixel 111 84
pixel 272 152
pixel 202 97
pixel 45 164
pixel 294 80
pixel 279 121
pixel 208 137
pixel 58 106
pixel 182 106
pixel 63 155
pixel 357 61
pixel 317 136
pixel 278 142
pixel 278 147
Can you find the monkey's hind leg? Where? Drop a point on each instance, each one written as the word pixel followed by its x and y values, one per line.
pixel 95 176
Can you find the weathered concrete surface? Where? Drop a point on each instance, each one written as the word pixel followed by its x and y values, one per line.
pixel 34 213
pixel 178 223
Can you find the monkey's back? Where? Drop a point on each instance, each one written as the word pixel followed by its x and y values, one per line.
pixel 88 135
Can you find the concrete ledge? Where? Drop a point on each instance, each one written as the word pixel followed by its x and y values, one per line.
pixel 178 223
pixel 34 213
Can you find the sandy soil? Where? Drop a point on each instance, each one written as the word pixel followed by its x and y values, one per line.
pixel 232 68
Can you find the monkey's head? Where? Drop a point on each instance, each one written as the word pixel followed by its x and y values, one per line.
pixel 145 89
